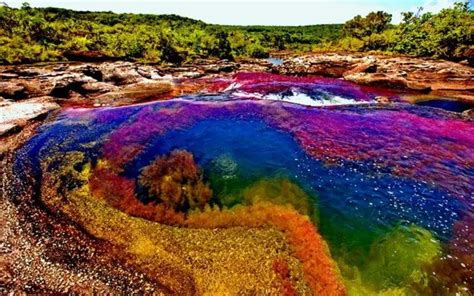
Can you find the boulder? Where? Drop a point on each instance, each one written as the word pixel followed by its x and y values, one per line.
pixel 223 66
pixel 13 90
pixel 395 72
pixel 3 102
pixel 93 72
pixel 148 72
pixel 66 83
pixel 97 87
pixel 121 73
pixel 469 113
pixel 377 79
pixel 6 76
pixel 15 115
pixel 382 100
pixel 137 92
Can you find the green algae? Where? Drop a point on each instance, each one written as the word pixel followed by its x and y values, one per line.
pixel 400 257
pixel 280 191
pixel 397 263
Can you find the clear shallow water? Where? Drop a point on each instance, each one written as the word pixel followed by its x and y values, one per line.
pixel 448 105
pixel 393 186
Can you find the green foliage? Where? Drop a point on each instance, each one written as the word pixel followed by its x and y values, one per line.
pixel 373 23
pixel 257 51
pixel 448 34
pixel 33 34
pixel 47 33
pixel 398 262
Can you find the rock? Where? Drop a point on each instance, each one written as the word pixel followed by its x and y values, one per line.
pixel 13 90
pixel 93 72
pixel 4 101
pixel 377 79
pixel 106 82
pixel 16 115
pixel 97 87
pixel 191 74
pixel 224 66
pixel 469 113
pixel 66 83
pixel 5 76
pixel 399 72
pixel 148 72
pixel 75 96
pixel 362 68
pixel 136 92
pixel 121 73
pixel 382 100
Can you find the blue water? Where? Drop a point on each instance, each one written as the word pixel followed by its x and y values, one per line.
pixel 356 207
pixel 449 105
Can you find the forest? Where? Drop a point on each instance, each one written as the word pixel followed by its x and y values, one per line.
pixel 29 35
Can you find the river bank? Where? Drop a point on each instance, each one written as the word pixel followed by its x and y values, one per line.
pixel 30 91
pixel 72 178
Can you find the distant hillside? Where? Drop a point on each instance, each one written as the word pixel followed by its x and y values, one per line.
pixel 292 37
pixel 50 34
pixel 47 34
pixel 111 18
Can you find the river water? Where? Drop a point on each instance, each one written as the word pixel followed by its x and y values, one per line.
pixel 392 185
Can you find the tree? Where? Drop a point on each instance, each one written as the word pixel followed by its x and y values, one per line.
pixel 221 48
pixel 374 22
pixel 448 34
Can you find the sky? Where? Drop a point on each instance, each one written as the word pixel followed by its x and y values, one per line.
pixel 251 12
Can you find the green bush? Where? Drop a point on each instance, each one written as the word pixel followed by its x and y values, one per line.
pixel 255 50
pixel 373 23
pixel 45 34
pixel 448 34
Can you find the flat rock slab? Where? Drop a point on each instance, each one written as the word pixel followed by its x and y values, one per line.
pixel 15 115
pixel 417 74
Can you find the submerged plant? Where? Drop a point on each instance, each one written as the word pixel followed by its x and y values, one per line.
pixel 176 181
pixel 281 192
pixel 400 257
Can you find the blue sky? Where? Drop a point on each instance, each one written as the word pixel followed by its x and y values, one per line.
pixel 248 12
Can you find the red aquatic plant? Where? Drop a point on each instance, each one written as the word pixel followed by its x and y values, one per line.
pixel 176 181
pixel 119 192
pixel 280 266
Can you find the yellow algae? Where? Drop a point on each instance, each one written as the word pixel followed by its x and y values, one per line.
pixel 281 192
pixel 320 271
pixel 235 260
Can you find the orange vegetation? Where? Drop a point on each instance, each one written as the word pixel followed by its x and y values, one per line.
pixel 176 184
pixel 119 192
pixel 176 181
pixel 309 247
pixel 280 266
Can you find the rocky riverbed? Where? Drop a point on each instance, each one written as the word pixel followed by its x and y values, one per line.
pixel 83 149
pixel 28 92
